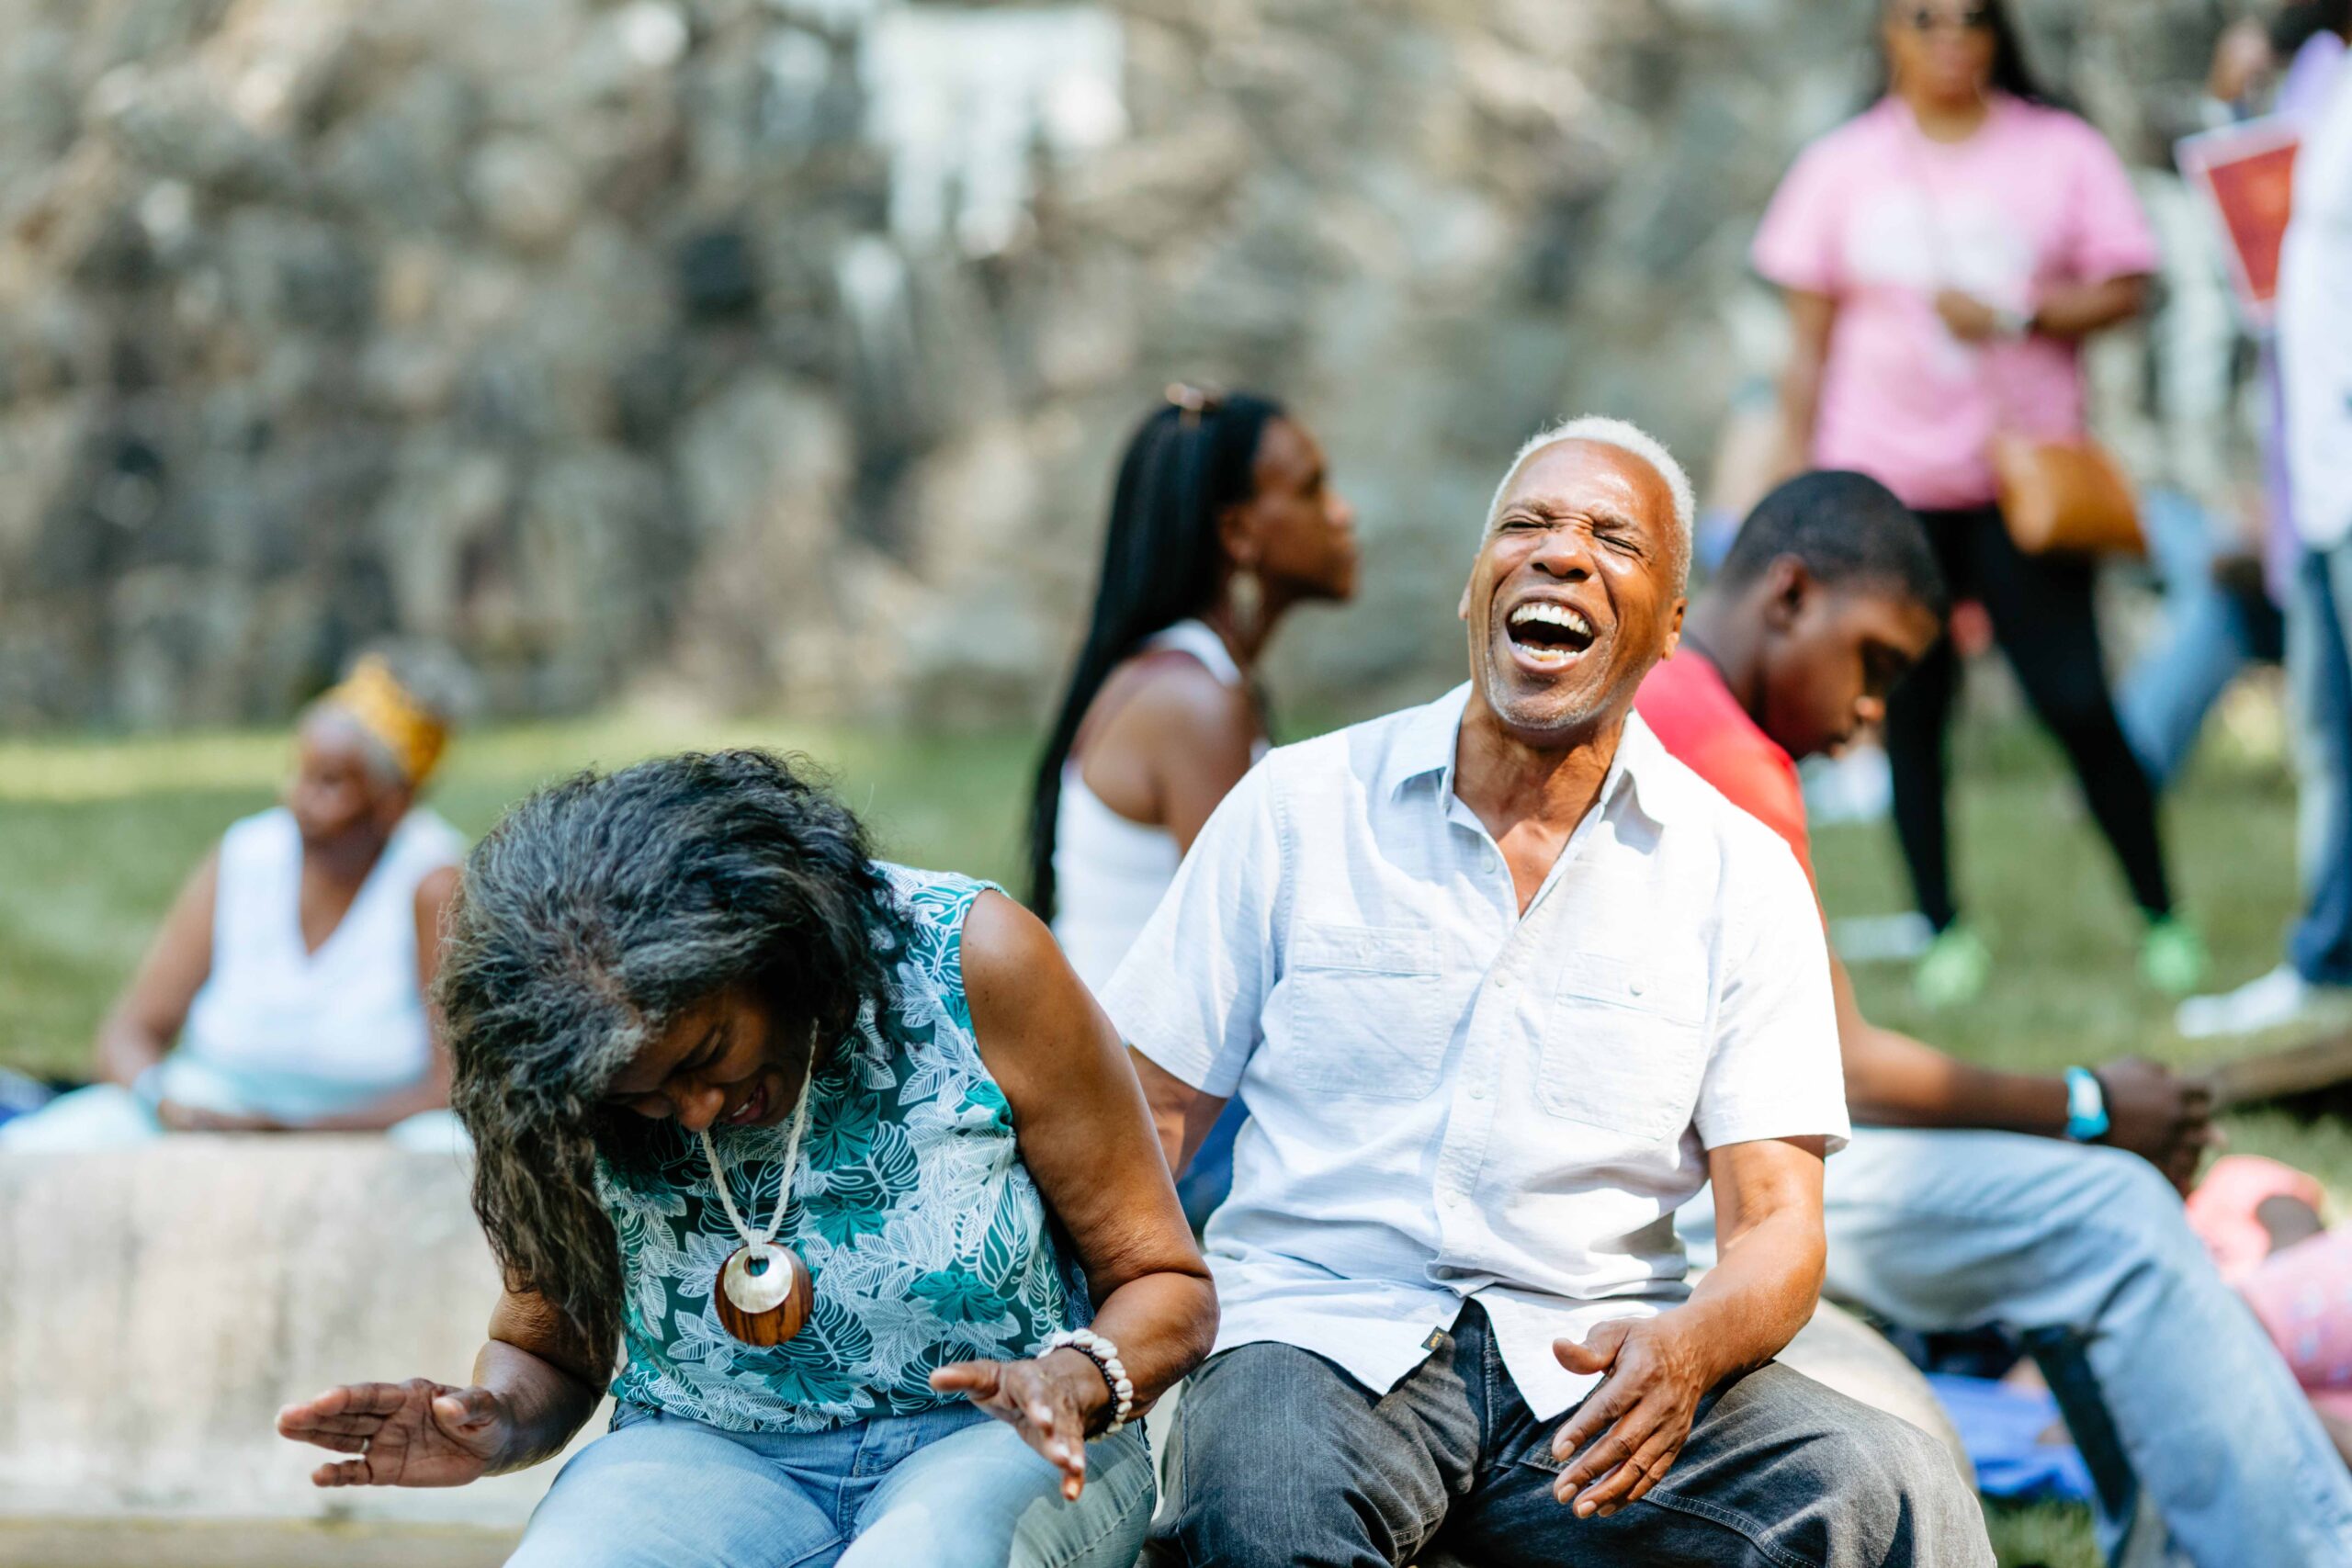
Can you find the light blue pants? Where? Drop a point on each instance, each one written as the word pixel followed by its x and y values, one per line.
pixel 2319 669
pixel 2208 636
pixel 2083 1252
pixel 108 1116
pixel 952 1488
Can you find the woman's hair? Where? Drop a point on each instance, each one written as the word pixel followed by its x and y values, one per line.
pixel 589 919
pixel 1162 562
pixel 2012 73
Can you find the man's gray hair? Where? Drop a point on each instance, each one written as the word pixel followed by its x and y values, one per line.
pixel 1626 436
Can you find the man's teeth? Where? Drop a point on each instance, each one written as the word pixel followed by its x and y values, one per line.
pixel 1551 616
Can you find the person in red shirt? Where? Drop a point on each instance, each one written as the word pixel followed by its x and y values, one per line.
pixel 1971 1196
pixel 1827 597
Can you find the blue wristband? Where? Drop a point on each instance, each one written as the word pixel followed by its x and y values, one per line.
pixel 2086 1105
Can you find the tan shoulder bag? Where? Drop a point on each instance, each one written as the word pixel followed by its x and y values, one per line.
pixel 2065 496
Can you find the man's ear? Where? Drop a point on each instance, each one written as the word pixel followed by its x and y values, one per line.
pixel 1674 627
pixel 1462 610
pixel 1787 589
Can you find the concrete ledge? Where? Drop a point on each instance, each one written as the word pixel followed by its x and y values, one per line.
pixel 1842 1352
pixel 159 1304
pixel 246 1543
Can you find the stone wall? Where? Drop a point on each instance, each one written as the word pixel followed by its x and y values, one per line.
pixel 776 352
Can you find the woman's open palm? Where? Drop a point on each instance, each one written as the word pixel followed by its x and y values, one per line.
pixel 417 1433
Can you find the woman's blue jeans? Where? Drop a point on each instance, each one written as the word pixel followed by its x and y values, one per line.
pixel 950 1488
pixel 2319 669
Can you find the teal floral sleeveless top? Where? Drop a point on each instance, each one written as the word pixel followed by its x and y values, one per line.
pixel 926 1240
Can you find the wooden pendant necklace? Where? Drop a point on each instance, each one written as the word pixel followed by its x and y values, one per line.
pixel 762 1291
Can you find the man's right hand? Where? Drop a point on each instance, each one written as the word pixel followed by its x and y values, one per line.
pixel 2163 1118
pixel 417 1433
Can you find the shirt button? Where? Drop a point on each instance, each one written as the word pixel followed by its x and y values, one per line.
pixel 1477 1091
pixel 1502 981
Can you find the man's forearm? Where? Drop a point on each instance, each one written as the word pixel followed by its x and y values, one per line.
pixel 1763 1288
pixel 1893 1080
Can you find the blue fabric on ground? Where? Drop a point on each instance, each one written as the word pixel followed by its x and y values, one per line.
pixel 19 1094
pixel 2001 1426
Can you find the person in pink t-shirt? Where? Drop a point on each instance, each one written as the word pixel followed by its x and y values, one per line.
pixel 1943 253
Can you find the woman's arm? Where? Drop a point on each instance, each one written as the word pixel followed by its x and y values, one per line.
pixel 1086 1137
pixel 2078 309
pixel 1172 748
pixel 139 1029
pixel 2069 311
pixel 430 1093
pixel 533 1388
pixel 1811 319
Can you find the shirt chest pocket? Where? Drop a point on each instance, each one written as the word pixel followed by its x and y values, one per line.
pixel 1359 1011
pixel 1624 1044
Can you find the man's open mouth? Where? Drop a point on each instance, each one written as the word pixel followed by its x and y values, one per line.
pixel 1548 632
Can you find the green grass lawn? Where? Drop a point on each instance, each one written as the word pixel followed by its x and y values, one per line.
pixel 94 835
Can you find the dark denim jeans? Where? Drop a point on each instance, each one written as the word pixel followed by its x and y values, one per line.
pixel 1279 1457
pixel 2319 664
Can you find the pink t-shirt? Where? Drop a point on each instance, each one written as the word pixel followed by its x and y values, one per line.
pixel 1879 217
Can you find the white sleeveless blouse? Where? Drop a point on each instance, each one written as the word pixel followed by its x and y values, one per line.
pixel 1110 871
pixel 283 1032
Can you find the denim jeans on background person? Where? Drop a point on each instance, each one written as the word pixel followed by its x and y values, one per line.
pixel 2319 670
pixel 2164 1377
pixel 953 1488
pixel 2211 632
pixel 1280 1457
pixel 1209 1177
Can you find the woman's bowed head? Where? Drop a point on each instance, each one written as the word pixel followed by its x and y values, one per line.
pixel 690 1014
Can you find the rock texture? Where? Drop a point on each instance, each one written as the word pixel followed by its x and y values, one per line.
pixel 778 351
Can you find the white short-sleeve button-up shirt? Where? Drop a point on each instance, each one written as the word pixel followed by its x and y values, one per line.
pixel 1449 1098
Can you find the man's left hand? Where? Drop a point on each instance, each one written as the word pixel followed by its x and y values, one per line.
pixel 1633 1425
pixel 2163 1118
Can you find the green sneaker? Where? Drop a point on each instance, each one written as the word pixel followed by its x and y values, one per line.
pixel 1955 968
pixel 2172 956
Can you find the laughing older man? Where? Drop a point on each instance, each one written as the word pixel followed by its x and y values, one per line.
pixel 1501 983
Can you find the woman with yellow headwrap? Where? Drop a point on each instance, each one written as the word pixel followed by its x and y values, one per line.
pixel 286 990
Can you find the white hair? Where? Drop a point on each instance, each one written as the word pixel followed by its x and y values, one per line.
pixel 1626 436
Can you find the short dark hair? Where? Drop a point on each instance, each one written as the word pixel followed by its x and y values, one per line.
pixel 588 919
pixel 1847 528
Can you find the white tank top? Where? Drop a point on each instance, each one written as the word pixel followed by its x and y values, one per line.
pixel 1110 871
pixel 295 1034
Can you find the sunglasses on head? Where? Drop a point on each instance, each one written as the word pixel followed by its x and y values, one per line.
pixel 1193 402
pixel 1926 19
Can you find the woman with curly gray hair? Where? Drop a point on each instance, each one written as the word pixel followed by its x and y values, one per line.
pixel 836 1153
